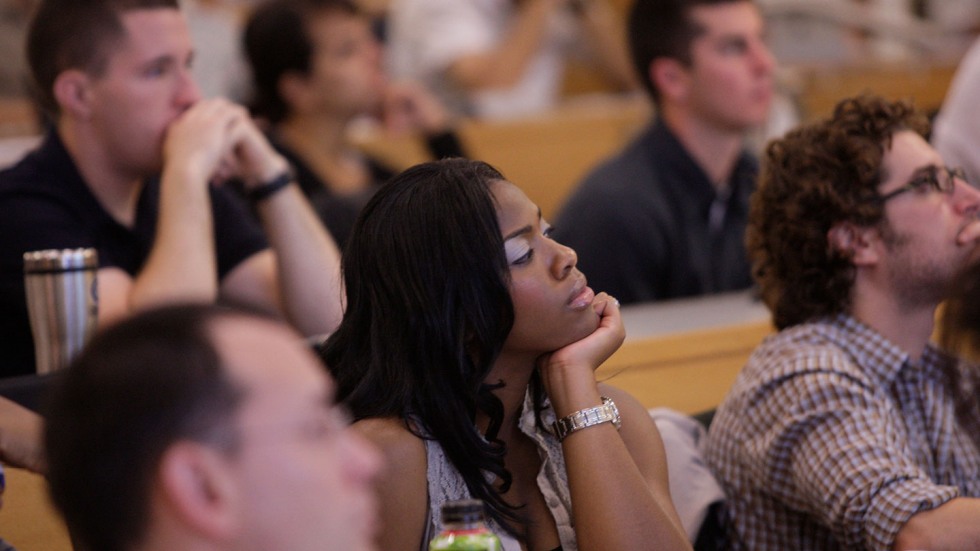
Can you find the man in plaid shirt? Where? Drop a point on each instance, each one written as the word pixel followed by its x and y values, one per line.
pixel 848 429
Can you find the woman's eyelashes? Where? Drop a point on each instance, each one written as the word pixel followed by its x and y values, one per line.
pixel 519 249
pixel 547 229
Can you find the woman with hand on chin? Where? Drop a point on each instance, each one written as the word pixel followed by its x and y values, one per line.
pixel 468 334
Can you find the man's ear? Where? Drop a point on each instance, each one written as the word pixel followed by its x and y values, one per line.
pixel 856 242
pixel 72 91
pixel 669 76
pixel 197 485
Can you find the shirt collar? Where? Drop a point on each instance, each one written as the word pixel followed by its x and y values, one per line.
pixel 53 156
pixel 669 151
pixel 878 356
pixel 527 422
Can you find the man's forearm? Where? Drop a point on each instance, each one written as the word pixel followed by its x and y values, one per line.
pixel 505 65
pixel 181 264
pixel 952 526
pixel 308 262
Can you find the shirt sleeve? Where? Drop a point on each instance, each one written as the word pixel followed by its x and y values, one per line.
pixel 837 454
pixel 237 235
pixel 30 222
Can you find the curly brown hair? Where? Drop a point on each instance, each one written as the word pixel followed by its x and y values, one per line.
pixel 813 178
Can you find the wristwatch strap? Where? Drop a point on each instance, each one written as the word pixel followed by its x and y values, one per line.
pixel 263 191
pixel 588 417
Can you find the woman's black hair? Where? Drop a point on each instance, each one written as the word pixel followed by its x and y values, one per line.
pixel 428 310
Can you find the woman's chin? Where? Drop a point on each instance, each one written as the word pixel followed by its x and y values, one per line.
pixel 584 328
pixel 545 337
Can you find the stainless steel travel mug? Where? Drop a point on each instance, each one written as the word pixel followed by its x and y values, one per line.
pixel 62 303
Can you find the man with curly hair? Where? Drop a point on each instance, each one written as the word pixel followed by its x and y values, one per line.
pixel 848 429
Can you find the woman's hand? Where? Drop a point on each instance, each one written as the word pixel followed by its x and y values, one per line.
pixel 578 361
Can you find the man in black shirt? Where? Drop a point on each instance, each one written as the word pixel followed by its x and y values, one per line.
pixel 115 76
pixel 665 218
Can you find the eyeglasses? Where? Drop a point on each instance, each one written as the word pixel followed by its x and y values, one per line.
pixel 941 178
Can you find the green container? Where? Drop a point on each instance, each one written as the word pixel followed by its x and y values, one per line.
pixel 465 529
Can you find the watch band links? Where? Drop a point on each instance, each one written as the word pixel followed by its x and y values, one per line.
pixel 588 417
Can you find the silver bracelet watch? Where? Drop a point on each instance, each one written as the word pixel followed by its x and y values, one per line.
pixel 588 417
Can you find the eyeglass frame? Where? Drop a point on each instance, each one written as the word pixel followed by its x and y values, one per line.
pixel 929 176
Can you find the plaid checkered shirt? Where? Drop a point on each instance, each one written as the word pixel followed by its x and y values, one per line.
pixel 832 438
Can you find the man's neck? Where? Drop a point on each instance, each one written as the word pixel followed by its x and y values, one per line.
pixel 906 326
pixel 714 149
pixel 173 524
pixel 316 135
pixel 115 190
pixel 322 143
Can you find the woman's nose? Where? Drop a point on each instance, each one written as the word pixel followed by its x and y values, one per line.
pixel 564 260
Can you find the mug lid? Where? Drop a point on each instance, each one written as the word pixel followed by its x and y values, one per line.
pixel 60 260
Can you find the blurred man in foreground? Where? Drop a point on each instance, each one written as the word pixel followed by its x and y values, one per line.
pixel 199 427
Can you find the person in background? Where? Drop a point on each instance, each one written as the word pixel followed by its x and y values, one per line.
pixel 665 217
pixel 14 15
pixel 849 429
pixel 468 355
pixel 219 65
pixel 502 58
pixel 377 11
pixel 317 68
pixel 133 167
pixel 957 129
pixel 960 321
pixel 203 427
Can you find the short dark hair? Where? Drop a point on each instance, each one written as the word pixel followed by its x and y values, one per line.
pixel 137 388
pixel 663 28
pixel 277 42
pixel 813 178
pixel 428 311
pixel 75 34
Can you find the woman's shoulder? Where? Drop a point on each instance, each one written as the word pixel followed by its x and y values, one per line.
pixel 629 407
pixel 402 485
pixel 620 396
pixel 393 438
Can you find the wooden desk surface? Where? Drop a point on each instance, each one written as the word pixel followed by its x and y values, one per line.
pixel 822 87
pixel 545 155
pixel 17 118
pixel 28 520
pixel 685 354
